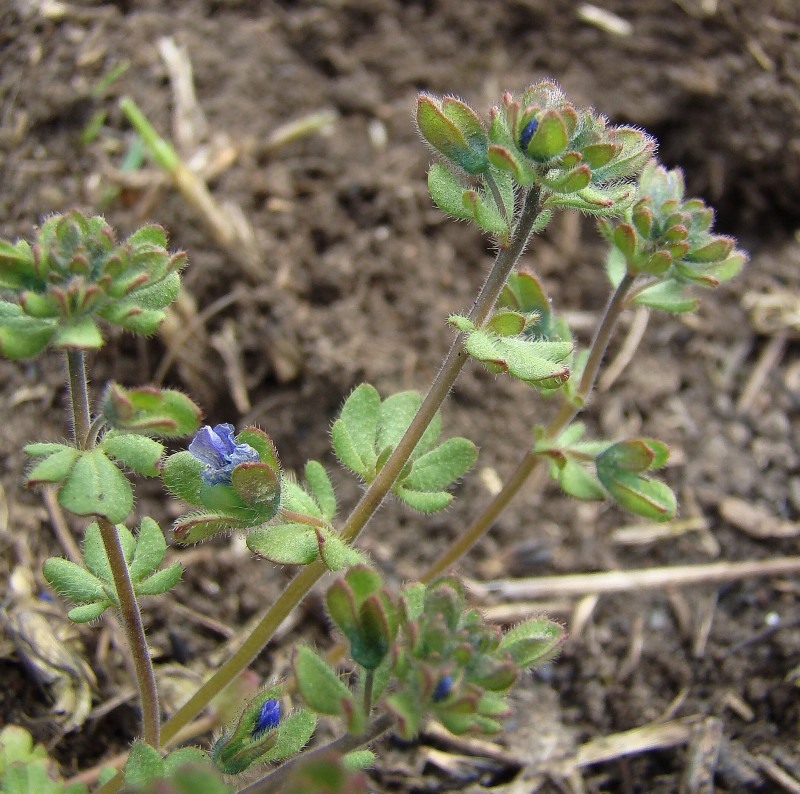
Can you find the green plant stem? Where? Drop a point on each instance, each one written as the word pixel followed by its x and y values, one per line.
pixel 78 397
pixel 274 781
pixel 375 494
pixel 134 631
pixel 369 683
pixel 566 413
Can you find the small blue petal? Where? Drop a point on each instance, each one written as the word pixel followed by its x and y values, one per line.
pixel 527 134
pixel 443 689
pixel 217 449
pixel 268 717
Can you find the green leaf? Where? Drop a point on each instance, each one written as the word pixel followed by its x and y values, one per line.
pixel 446 191
pixel 395 415
pixel 667 296
pixel 72 582
pixel 320 687
pixel 358 759
pixel 442 466
pixel 642 496
pixel 222 498
pixel 507 160
pixel 181 476
pixel 144 765
pixel 294 733
pixel 22 336
pixel 199 526
pixel 139 453
pixel 39 449
pixel 16 265
pixel 577 481
pixel 94 553
pixel 353 434
pixel 298 500
pixel 259 485
pixel 537 362
pixel 165 413
pixel 54 468
pixel 161 581
pixel 570 182
pixel 335 553
pixel 183 756
pixel 285 544
pixel 485 212
pixel 321 489
pixel 262 444
pixel 80 334
pixel 550 138
pixel 423 501
pixel 88 612
pixel 341 605
pixel 635 455
pixel 533 642
pixel 454 130
pixel 507 323
pixel 150 550
pixel 95 486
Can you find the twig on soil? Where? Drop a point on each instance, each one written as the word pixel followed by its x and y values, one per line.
pixel 782 778
pixel 653 736
pixel 625 581
pixel 640 534
pixel 309 124
pixel 219 222
pixel 226 344
pixel 702 757
pixel 189 124
pixel 767 361
pixel 60 529
pixel 177 340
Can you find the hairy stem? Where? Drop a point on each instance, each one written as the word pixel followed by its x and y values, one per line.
pixel 134 631
pixel 344 744
pixel 530 461
pixel 369 683
pixel 375 494
pixel 78 397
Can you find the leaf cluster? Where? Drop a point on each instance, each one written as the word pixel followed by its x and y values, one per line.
pixel 250 499
pixel 75 274
pixel 368 430
pixel 92 588
pixel 668 238
pixel 592 470
pixel 243 745
pixel 571 155
pixel 303 530
pixel 426 653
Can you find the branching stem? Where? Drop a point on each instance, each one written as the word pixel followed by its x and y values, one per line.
pixel 375 494
pixel 530 461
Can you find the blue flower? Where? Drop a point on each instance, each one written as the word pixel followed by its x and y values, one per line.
pixel 221 454
pixel 443 689
pixel 268 717
pixel 527 133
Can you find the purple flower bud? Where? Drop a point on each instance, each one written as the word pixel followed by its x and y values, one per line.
pixel 268 717
pixel 221 454
pixel 527 134
pixel 443 689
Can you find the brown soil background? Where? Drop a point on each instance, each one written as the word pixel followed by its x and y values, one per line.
pixel 362 273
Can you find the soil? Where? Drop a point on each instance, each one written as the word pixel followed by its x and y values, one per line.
pixel 361 273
